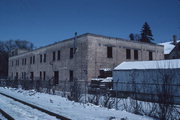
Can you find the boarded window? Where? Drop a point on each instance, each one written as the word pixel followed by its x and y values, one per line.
pixel 136 54
pixel 71 76
pixel 54 56
pixel 150 55
pixel 59 55
pixel 109 52
pixel 71 53
pixel 44 57
pixel 128 54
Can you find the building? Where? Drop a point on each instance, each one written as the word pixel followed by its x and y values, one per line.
pixel 171 49
pixel 149 80
pixel 80 58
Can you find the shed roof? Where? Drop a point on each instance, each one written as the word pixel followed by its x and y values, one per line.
pixel 160 64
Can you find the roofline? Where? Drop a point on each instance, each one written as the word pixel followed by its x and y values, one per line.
pixel 86 34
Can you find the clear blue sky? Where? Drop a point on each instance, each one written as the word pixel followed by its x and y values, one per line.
pixel 46 21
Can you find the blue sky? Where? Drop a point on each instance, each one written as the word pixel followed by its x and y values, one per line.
pixel 46 21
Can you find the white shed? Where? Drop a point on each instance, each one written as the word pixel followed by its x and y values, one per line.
pixel 148 78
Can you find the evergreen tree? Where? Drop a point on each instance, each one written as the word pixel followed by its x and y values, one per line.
pixel 146 34
pixel 131 36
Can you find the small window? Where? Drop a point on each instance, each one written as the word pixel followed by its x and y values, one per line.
pixel 136 54
pixel 44 57
pixel 150 55
pixel 71 53
pixel 59 55
pixel 128 54
pixel 40 58
pixel 71 76
pixel 109 52
pixel 54 56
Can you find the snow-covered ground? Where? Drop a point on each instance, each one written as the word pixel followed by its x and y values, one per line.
pixel 70 109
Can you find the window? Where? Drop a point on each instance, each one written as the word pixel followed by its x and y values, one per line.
pixel 25 61
pixel 150 55
pixel 40 58
pixel 54 56
pixel 71 53
pixel 12 63
pixel 136 54
pixel 44 57
pixel 109 52
pixel 71 75
pixel 44 75
pixel 33 59
pixel 31 75
pixel 128 54
pixel 30 60
pixel 16 75
pixel 40 75
pixel 56 77
pixel 59 55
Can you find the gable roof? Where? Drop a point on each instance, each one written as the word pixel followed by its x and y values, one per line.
pixel 168 46
pixel 160 64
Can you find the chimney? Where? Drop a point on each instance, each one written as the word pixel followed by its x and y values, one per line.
pixel 174 40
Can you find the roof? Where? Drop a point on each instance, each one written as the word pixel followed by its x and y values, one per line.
pixel 168 46
pixel 88 34
pixel 161 64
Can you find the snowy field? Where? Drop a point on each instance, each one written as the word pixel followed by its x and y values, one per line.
pixel 70 109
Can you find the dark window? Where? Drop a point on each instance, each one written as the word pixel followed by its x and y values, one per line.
pixel 22 75
pixel 31 75
pixel 128 54
pixel 150 55
pixel 71 53
pixel 25 61
pixel 71 75
pixel 40 75
pixel 33 59
pixel 59 55
pixel 109 52
pixel 54 56
pixel 136 54
pixel 40 58
pixel 56 77
pixel 44 57
pixel 16 75
pixel 22 61
pixel 44 75
pixel 179 46
pixel 30 60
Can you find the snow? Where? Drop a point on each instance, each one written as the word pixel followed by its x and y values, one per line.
pixel 168 46
pixel 106 69
pixel 70 109
pixel 2 117
pixel 160 64
pixel 108 79
pixel 22 112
